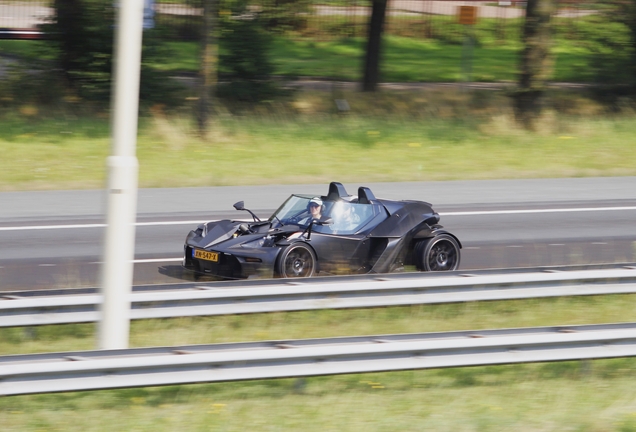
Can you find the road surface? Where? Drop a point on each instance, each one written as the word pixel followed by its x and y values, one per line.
pixel 54 238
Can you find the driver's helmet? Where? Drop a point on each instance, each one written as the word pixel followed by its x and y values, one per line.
pixel 315 201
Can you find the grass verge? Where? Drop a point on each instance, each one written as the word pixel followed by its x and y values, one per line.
pixel 594 396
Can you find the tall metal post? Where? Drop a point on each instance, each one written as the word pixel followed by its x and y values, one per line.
pixel 119 240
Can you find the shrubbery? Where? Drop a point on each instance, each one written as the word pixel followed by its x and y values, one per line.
pixel 245 60
pixel 81 45
pixel 611 36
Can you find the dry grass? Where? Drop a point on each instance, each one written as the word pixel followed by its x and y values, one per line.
pixel 395 135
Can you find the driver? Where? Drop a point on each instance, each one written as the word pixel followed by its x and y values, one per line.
pixel 315 210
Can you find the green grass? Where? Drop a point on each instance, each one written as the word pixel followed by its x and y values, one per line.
pixel 586 396
pixel 547 397
pixel 390 136
pixel 22 48
pixel 405 59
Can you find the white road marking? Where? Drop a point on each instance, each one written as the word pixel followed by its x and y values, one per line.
pixel 562 210
pixel 197 222
pixel 78 226
pixel 46 227
pixel 156 260
pixel 171 223
pixel 150 260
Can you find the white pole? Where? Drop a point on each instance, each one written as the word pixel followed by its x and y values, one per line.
pixel 119 241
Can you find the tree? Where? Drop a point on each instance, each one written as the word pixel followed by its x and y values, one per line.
pixel 69 14
pixel 536 61
pixel 612 41
pixel 373 50
pixel 81 33
pixel 208 63
pixel 245 60
pixel 280 16
pixel 628 12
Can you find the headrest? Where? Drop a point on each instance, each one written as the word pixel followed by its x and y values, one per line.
pixel 365 196
pixel 336 191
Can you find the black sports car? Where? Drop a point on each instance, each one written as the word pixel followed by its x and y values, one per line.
pixel 333 234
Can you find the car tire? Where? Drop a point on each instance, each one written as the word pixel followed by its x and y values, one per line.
pixel 439 253
pixel 296 261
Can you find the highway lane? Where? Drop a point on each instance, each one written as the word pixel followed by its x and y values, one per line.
pixel 54 238
pixel 164 238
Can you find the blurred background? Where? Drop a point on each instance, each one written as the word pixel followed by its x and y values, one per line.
pixel 409 82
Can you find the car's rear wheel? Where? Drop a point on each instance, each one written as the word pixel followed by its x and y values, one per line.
pixel 296 260
pixel 440 253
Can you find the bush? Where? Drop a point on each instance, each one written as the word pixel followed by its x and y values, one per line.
pixel 244 60
pixel 285 15
pixel 612 39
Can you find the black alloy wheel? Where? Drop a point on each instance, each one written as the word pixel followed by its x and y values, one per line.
pixel 296 261
pixel 440 253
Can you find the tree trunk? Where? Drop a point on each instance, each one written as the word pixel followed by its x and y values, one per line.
pixel 70 16
pixel 372 58
pixel 208 64
pixel 536 61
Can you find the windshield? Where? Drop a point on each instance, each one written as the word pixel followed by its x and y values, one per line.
pixel 347 218
pixel 293 211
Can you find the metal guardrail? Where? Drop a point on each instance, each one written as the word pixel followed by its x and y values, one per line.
pixel 93 370
pixel 296 295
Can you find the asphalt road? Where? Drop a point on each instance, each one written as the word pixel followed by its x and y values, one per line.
pixel 53 239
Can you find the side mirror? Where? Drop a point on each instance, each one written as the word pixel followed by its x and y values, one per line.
pixel 241 206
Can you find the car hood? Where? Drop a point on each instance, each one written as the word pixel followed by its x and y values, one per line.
pixel 217 232
pixel 225 231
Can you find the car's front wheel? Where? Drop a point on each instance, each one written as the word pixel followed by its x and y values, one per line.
pixel 296 260
pixel 440 253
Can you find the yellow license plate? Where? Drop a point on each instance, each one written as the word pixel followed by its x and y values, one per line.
pixel 205 255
